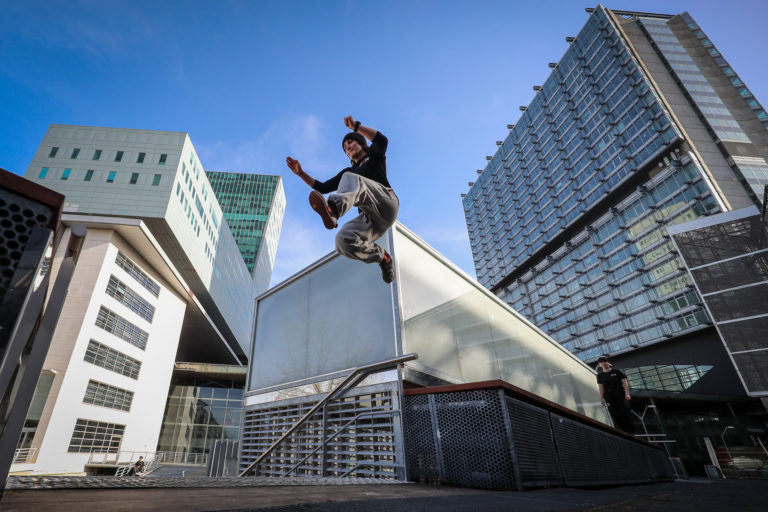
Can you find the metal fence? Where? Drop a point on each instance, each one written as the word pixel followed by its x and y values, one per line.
pixel 486 439
pixel 129 457
pixel 22 455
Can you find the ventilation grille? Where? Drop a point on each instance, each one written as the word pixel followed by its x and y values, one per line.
pixel 362 433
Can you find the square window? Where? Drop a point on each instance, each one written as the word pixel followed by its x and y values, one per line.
pixel 156 180
pixel 88 175
pixel 111 177
pixel 140 159
pixel 97 154
pixel 119 156
pixel 53 152
pixel 75 152
pixel 163 158
pixel 65 174
pixel 134 178
pixel 43 172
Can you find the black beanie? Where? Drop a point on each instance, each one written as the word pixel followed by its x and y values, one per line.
pixel 354 136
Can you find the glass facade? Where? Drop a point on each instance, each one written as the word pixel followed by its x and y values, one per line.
pixel 568 220
pixel 465 334
pixel 337 315
pixel 728 258
pixel 195 416
pixel 246 200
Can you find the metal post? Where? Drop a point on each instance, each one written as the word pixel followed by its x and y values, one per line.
pixel 36 344
pixel 722 438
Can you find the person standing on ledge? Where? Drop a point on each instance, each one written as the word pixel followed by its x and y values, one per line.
pixel 363 185
pixel 614 391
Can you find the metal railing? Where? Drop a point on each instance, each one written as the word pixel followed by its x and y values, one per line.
pixel 22 455
pixel 354 378
pixel 129 457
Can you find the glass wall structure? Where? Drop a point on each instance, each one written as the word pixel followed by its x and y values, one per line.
pixel 727 255
pixel 247 202
pixel 196 416
pixel 337 315
pixel 568 220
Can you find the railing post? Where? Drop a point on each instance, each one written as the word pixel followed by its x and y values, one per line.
pixel 351 378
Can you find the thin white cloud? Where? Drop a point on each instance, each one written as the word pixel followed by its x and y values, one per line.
pixel 303 137
pixel 301 244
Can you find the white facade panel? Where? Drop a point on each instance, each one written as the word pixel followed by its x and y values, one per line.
pixel 143 421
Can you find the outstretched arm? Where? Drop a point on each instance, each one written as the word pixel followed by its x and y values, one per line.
pixel 365 131
pixel 295 166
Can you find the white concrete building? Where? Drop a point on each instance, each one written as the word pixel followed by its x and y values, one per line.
pixel 160 280
pixel 156 176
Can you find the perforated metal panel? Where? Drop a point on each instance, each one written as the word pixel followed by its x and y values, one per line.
pixel 421 452
pixel 534 445
pixel 483 438
pixel 471 442
pixel 361 430
pixel 18 216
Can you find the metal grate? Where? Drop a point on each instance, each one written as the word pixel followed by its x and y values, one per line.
pixel 420 441
pixel 483 438
pixel 471 443
pixel 534 445
pixel 360 432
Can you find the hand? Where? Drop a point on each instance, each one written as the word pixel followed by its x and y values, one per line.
pixel 627 397
pixel 602 401
pixel 349 122
pixel 293 165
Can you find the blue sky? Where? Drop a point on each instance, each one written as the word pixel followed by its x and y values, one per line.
pixel 255 81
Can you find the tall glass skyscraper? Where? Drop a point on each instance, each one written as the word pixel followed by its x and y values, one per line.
pixel 641 125
pixel 253 205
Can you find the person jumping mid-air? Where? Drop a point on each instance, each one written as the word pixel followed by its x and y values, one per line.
pixel 363 185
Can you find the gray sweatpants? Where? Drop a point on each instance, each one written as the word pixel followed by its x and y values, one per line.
pixel 378 206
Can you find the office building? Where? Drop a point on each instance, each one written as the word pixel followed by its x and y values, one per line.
pixel 642 125
pixel 160 298
pixel 254 206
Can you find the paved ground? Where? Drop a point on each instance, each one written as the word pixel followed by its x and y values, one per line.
pixel 361 496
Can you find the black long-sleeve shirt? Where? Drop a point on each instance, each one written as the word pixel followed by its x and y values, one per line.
pixel 373 166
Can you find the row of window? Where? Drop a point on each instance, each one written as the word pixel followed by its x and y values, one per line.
pixel 112 360
pixel 111 176
pixel 97 436
pixel 139 275
pixel 106 395
pixel 130 299
pixel 162 159
pixel 122 328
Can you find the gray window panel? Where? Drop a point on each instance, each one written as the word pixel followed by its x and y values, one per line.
pixel 734 304
pixel 732 273
pixel 752 367
pixel 129 298
pixel 111 359
pixel 722 241
pixel 121 328
pixel 104 395
pixel 143 279
pixel 745 335
pixel 96 436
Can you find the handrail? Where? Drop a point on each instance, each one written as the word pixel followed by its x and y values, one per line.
pixel 359 416
pixel 375 367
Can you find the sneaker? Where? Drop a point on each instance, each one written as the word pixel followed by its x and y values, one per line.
pixel 318 203
pixel 387 271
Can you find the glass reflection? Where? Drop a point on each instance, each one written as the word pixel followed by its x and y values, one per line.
pixel 460 330
pixel 336 317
